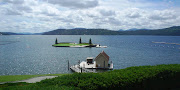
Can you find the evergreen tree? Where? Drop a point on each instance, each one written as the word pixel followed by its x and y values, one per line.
pixel 56 42
pixel 80 40
pixel 90 41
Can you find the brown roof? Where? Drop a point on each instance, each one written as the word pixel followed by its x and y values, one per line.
pixel 104 54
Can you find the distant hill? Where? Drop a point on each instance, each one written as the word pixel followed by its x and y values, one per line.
pixel 11 33
pixel 8 33
pixel 133 29
pixel 173 31
pixel 79 28
pixel 81 32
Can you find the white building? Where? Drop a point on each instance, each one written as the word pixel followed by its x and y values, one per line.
pixel 100 62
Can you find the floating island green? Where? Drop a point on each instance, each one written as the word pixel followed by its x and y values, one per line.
pixel 80 44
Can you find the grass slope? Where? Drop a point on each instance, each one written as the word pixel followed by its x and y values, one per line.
pixel 139 77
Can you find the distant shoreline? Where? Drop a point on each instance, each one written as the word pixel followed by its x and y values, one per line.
pixel 171 31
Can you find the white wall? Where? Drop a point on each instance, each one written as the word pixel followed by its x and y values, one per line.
pixel 100 62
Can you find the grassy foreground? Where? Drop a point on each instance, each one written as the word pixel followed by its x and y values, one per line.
pixel 9 78
pixel 139 77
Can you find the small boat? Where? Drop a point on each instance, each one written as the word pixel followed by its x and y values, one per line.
pixel 100 62
pixel 99 46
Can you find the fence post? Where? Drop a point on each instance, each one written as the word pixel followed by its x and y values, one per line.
pixel 68 65
pixel 104 64
pixel 81 69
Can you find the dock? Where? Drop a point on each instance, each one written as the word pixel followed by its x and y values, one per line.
pixel 91 65
pixel 78 69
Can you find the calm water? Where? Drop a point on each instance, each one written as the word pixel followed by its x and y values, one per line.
pixel 21 55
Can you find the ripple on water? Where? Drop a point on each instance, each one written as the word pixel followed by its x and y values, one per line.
pixel 35 54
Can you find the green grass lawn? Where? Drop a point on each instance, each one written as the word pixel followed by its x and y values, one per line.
pixel 9 78
pixel 83 44
pixel 63 44
pixel 157 77
pixel 70 44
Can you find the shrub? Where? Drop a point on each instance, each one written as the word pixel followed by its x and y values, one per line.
pixel 139 77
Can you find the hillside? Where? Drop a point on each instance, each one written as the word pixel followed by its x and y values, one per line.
pixel 81 32
pixel 172 31
pixel 12 33
pixel 8 33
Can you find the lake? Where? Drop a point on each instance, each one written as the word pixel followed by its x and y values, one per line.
pixel 34 54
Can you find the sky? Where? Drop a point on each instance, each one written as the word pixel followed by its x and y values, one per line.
pixel 37 16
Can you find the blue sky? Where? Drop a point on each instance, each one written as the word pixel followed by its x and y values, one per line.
pixel 45 15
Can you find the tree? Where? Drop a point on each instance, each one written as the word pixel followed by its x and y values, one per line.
pixel 90 41
pixel 80 40
pixel 56 42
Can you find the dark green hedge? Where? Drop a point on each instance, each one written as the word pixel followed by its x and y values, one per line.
pixel 139 77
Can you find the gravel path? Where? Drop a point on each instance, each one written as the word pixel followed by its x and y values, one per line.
pixel 32 80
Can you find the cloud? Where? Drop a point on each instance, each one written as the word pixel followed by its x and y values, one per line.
pixel 14 7
pixel 107 12
pixel 76 4
pixel 17 10
pixel 13 1
pixel 46 15
pixel 114 21
pixel 133 13
pixel 22 8
pixel 163 15
pixel 48 10
pixel 12 12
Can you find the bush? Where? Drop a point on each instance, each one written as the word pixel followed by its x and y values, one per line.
pixel 139 77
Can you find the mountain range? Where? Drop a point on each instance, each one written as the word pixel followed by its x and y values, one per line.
pixel 133 29
pixel 12 33
pixel 171 31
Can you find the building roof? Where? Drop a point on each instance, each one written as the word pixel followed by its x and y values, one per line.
pixel 89 58
pixel 104 54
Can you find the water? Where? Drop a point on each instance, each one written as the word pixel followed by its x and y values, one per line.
pixel 34 54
